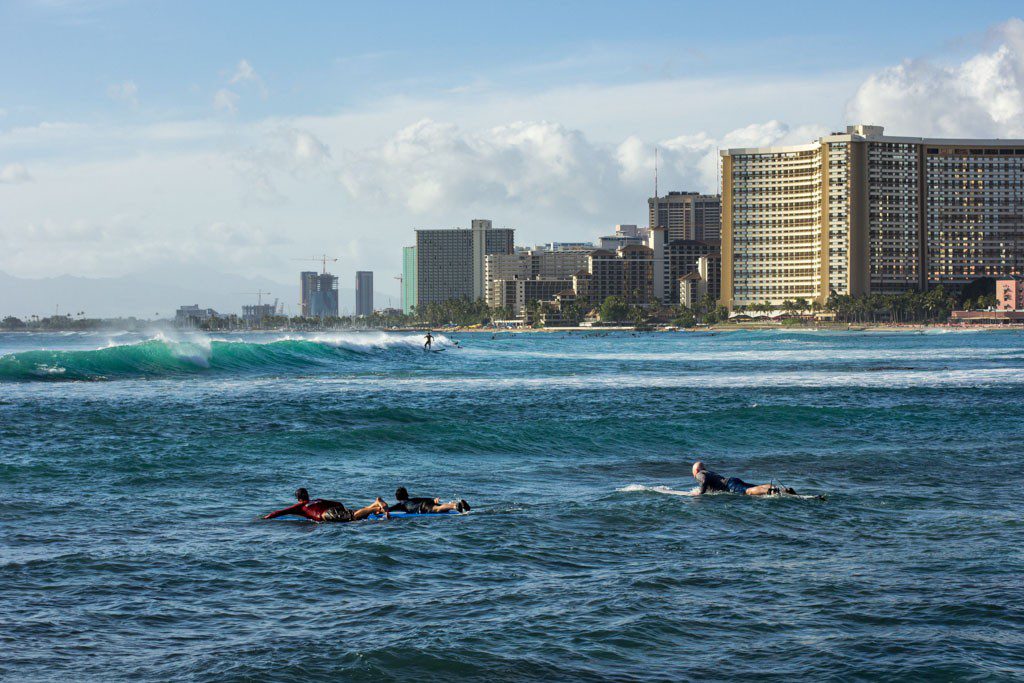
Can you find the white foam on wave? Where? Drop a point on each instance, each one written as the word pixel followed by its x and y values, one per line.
pixel 192 347
pixel 657 489
pixel 909 379
pixel 369 341
pixel 44 370
pixel 769 354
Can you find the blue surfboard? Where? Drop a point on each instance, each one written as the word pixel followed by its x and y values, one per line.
pixel 394 515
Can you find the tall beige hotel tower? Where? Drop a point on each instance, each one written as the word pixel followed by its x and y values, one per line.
pixel 863 212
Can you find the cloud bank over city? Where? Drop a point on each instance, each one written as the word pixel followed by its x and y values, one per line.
pixel 236 192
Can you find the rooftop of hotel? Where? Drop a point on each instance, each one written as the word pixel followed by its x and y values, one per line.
pixel 867 133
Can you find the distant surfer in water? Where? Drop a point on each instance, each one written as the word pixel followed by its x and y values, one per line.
pixel 320 510
pixel 712 482
pixel 421 506
pixel 430 341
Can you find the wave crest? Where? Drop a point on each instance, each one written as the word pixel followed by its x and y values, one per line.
pixel 168 355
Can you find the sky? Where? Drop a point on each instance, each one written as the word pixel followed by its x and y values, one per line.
pixel 241 136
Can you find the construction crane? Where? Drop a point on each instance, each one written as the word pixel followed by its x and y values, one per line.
pixel 324 258
pixel 258 294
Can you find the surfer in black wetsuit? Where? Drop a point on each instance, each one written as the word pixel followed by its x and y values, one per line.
pixel 422 506
pixel 712 482
pixel 429 342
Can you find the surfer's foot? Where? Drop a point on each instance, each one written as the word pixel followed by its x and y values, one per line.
pixel 382 507
pixel 462 506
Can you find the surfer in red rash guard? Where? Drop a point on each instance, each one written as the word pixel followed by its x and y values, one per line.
pixel 320 510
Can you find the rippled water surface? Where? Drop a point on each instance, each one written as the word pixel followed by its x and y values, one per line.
pixel 133 469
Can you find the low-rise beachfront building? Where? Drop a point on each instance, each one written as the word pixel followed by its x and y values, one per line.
pixel 1010 294
pixel 193 316
pixel 531 264
pixel 516 295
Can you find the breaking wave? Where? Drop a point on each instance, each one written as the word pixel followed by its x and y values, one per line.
pixel 164 356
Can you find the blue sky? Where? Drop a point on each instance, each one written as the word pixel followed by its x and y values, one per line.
pixel 317 58
pixel 239 135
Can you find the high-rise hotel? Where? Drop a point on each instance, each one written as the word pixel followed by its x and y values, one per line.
pixel 862 212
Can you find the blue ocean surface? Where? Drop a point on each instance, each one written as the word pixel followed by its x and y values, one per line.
pixel 134 469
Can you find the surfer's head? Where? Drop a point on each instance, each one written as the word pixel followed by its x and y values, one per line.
pixel 302 495
pixel 401 494
pixel 698 467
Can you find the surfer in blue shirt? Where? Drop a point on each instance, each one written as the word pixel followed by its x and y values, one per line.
pixel 712 482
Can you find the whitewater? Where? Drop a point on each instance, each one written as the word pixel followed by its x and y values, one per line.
pixel 134 468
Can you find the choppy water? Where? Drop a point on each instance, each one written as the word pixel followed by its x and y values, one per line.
pixel 133 469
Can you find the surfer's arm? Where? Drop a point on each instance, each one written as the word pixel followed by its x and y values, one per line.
pixel 292 510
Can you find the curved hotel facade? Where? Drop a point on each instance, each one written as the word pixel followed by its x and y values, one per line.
pixel 861 212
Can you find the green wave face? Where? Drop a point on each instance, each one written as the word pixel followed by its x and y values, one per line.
pixel 166 358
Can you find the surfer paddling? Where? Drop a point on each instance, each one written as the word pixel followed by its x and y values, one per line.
pixel 422 506
pixel 320 510
pixel 712 482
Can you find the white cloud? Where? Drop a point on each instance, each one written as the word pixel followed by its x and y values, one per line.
pixel 127 91
pixel 434 168
pixel 563 163
pixel 307 149
pixel 225 100
pixel 244 73
pixel 14 173
pixel 982 96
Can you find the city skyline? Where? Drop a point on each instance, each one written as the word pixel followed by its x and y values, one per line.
pixel 278 150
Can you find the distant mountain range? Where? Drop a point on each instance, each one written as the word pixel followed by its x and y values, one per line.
pixel 154 294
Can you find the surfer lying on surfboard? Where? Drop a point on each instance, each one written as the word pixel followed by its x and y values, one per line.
pixel 320 510
pixel 422 506
pixel 712 482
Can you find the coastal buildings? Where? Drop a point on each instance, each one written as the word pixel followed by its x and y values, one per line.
pixel 709 267
pixel 627 272
pixel 255 314
pixel 409 279
pixel 1010 294
pixel 861 212
pixel 624 236
pixel 686 215
pixel 516 295
pixel 673 259
pixel 319 294
pixel 193 316
pixel 450 263
pixel 364 292
pixel 533 264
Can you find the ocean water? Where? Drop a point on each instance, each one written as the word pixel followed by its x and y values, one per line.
pixel 133 470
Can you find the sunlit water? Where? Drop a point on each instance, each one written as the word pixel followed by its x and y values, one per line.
pixel 133 469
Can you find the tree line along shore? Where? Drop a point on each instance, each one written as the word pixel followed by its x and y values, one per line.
pixel 911 308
